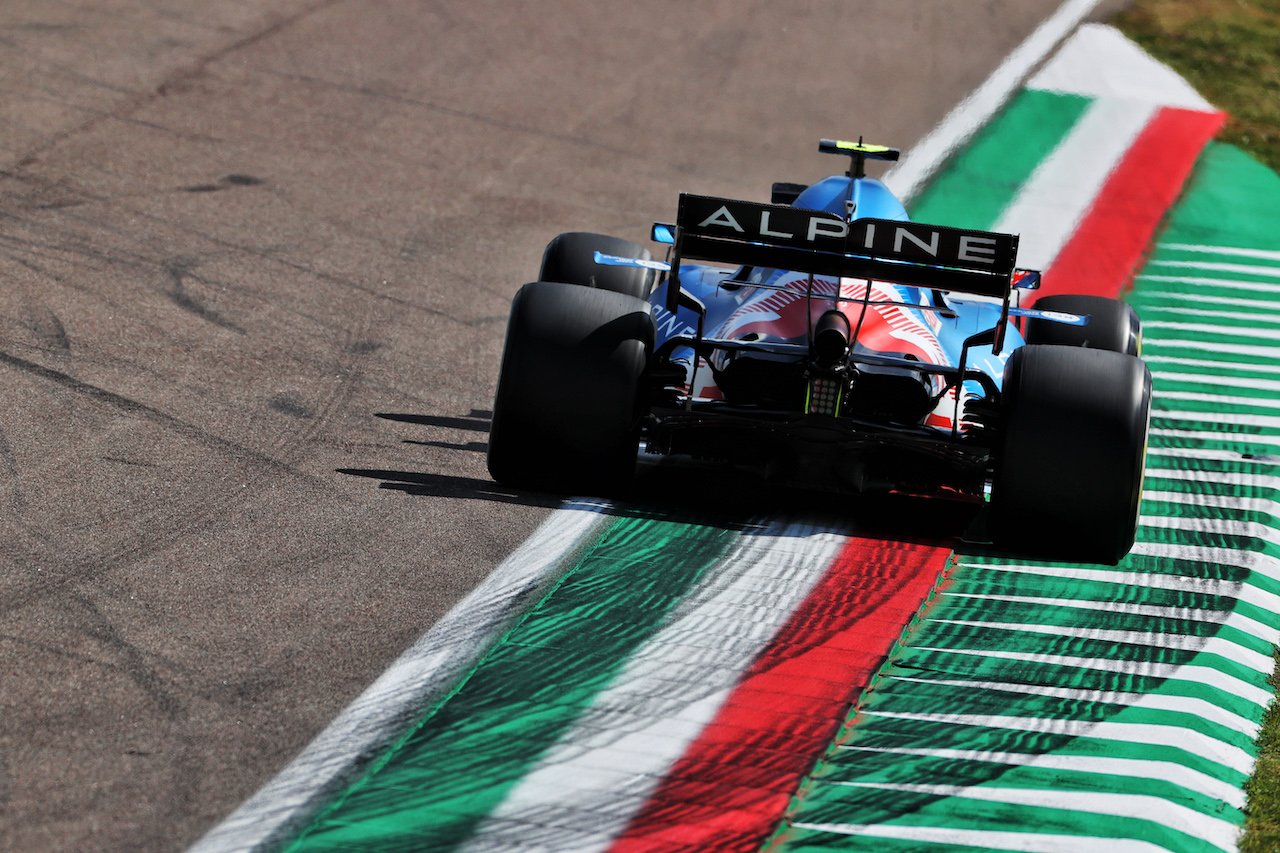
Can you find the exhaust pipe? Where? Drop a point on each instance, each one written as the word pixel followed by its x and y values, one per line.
pixel 831 339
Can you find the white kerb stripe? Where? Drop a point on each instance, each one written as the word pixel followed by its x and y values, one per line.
pixel 973 113
pixel 1231 618
pixel 1099 62
pixel 1258 305
pixel 1258 315
pixel 1060 192
pixel 1236 438
pixel 1212 329
pixel 1014 842
pixel 604 768
pixel 1193 453
pixel 1227 526
pixel 1225 381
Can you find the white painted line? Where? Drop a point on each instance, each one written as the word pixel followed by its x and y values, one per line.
pixel 1064 187
pixel 1261 254
pixel 1228 649
pixel 1192 453
pixel 970 115
pixel 1200 708
pixel 1223 399
pixel 1200 364
pixel 1241 591
pixel 1237 438
pixel 1131 768
pixel 1212 266
pixel 1197 310
pixel 1191 673
pixel 1227 526
pixel 1216 283
pixel 1014 842
pixel 1192 742
pixel 1258 307
pixel 1099 62
pixel 1266 352
pixel 1254 561
pixel 1211 379
pixel 1212 329
pixel 418 679
pixel 1225 618
pixel 1216 831
pixel 1234 502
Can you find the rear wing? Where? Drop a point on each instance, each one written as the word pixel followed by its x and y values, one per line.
pixel 936 257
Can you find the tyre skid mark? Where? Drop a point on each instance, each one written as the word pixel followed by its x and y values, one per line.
pixel 139 409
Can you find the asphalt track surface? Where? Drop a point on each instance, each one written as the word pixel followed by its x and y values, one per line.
pixel 255 263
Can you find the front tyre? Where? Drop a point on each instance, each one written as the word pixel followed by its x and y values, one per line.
pixel 566 415
pixel 1070 462
pixel 1113 325
pixel 570 258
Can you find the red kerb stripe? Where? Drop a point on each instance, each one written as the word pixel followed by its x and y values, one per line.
pixel 1102 255
pixel 732 786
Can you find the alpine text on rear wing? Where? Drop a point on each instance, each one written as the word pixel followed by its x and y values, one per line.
pixel 748 233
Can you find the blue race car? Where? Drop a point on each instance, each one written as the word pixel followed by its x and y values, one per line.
pixel 825 340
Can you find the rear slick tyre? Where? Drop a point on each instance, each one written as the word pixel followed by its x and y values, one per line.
pixel 1070 462
pixel 566 415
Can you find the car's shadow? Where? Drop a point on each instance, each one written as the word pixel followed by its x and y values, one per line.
pixel 697 489
pixel 447 486
pixel 425 483
pixel 697 493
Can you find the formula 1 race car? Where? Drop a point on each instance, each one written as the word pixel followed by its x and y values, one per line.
pixel 827 341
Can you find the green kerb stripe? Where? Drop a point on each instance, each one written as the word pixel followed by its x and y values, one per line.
pixel 888 807
pixel 458 764
pixel 981 182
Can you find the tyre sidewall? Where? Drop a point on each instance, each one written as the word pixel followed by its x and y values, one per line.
pixel 568 405
pixel 1069 469
pixel 1113 325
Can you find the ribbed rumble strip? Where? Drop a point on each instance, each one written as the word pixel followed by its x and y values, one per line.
pixel 1092 707
pixel 1194 674
pixel 1127 768
pixel 1218 832
pixel 1208 711
pixel 984 839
